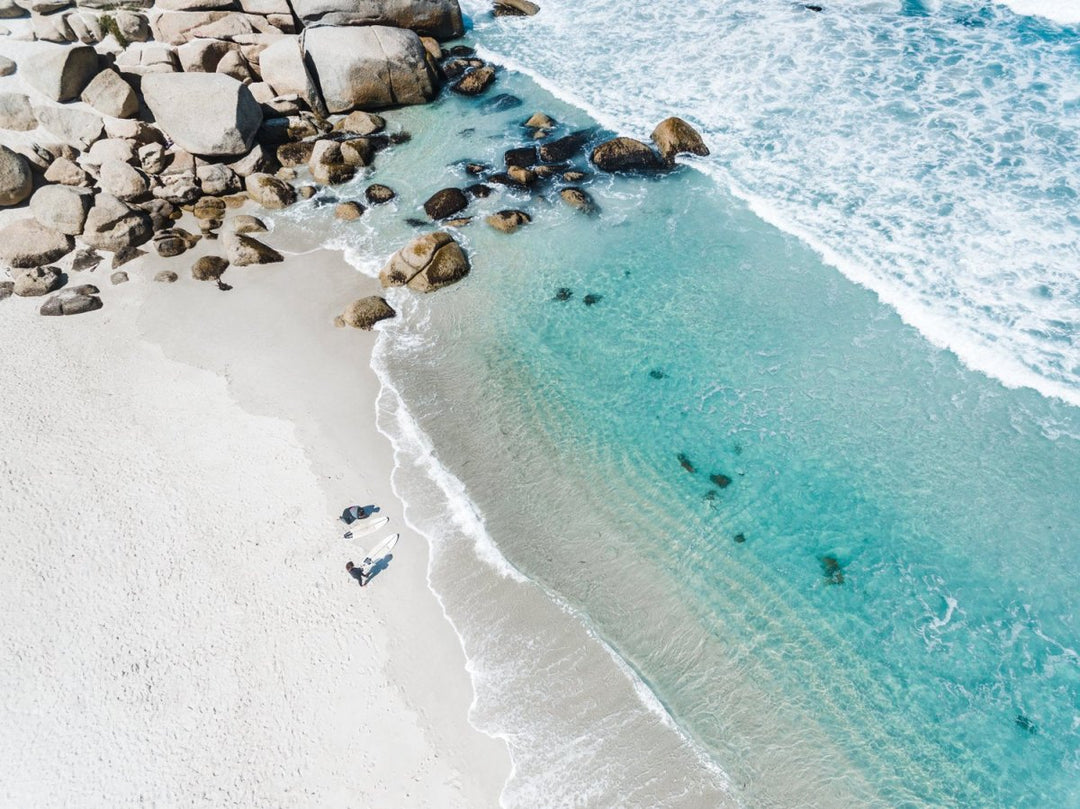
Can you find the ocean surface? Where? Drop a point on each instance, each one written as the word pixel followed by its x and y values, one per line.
pixel 762 486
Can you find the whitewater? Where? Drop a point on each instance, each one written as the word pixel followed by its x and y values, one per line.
pixel 927 150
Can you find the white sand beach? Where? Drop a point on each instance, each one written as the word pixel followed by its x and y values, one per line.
pixel 179 627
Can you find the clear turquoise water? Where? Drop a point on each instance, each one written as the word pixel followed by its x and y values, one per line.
pixel 942 671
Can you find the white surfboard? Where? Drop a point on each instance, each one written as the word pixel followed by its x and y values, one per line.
pixel 361 528
pixel 382 549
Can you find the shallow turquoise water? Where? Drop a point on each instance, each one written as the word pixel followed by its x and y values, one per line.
pixel 941 670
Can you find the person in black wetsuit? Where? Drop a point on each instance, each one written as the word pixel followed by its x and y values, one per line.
pixel 353 513
pixel 356 572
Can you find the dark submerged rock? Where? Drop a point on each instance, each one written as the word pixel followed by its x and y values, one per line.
pixel 525 157
pixel 563 294
pixel 377 194
pixel 684 462
pixel 475 81
pixel 592 299
pixel 445 203
pixel 834 573
pixel 479 190
pixel 720 481
pixel 565 148
pixel 500 103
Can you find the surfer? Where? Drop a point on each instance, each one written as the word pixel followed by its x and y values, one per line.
pixel 356 572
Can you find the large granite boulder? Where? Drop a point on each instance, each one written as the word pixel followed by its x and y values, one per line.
pixel 269 191
pixel 435 18
pixel 16 181
pixel 327 164
pixel 282 67
pixel 62 208
pixel 16 113
pixel 206 114
pixel 27 243
pixel 674 136
pixel 122 180
pixel 365 313
pixel 111 95
pixel 626 154
pixel 243 250
pixel 427 263
pixel 112 225
pixel 60 71
pixel 74 127
pixel 369 67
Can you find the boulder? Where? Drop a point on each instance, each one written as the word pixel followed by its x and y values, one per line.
pixel 209 268
pixel 259 159
pixel 74 127
pixel 72 302
pixel 296 153
pixel 562 149
pixel 327 164
pixel 181 188
pixel 16 113
pixel 365 313
pixel 520 176
pixel 34 282
pixel 282 67
pixel 435 18
pixel 348 211
pixel 209 208
pixel 166 277
pixel 126 254
pixel 196 5
pixel 369 67
pixel 162 213
pixel 539 120
pixel 60 71
pixel 61 208
pixel 475 81
pixel 427 263
pixel 508 221
pixel 173 241
pixel 122 180
pixel 235 65
pixel 357 151
pixel 269 191
pixel 16 181
pixel 576 198
pixel 515 8
pixel 67 172
pixel 112 225
pixel 7 289
pixel 377 194
pixel 216 179
pixel 119 277
pixel 361 123
pixel 85 259
pixel 626 154
pixel 674 136
pixel 7 66
pixel 145 58
pixel 108 149
pixel 28 243
pixel 207 114
pixel 244 250
pixel 445 203
pixel 111 95
pixel 245 223
pixel 203 55
pixel 524 156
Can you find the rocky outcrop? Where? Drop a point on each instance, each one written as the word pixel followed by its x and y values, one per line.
pixel 244 250
pixel 445 203
pixel 15 179
pixel 626 154
pixel 112 225
pixel 27 243
pixel 73 301
pixel 60 71
pixel 209 268
pixel 16 113
pixel 228 116
pixel 435 18
pixel 34 282
pixel 365 313
pixel 674 136
pixel 508 221
pixel 111 95
pixel 269 191
pixel 369 67
pixel 427 263
pixel 61 208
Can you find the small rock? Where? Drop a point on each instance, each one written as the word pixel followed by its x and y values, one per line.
pixel 269 191
pixel 458 222
pixel 209 208
pixel 119 277
pixel 508 221
pixel 592 299
pixel 500 103
pixel 834 572
pixel 377 194
pixel 361 123
pixel 475 81
pixel 740 539
pixel 122 181
pixel 209 268
pixel 674 136
pixel 574 176
pixel 125 255
pixel 216 179
pixel 7 66
pixel 244 251
pixel 366 312
pixel 70 303
pixel 525 156
pixel 515 8
pixel 576 198
pixel 112 225
pixel 566 148
pixel 307 191
pixel 296 153
pixel 110 95
pixel 173 242
pixel 563 294
pixel 721 481
pixel 85 259
pixel 476 169
pixel 446 203
pixel 166 277
pixel 327 164
pixel 357 152
pixel 7 288
pixel 521 176
pixel 479 190
pixel 244 223
pixel 348 211
pixel 36 281
pixel 539 121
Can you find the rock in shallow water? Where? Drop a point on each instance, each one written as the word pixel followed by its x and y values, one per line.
pixel 377 194
pixel 365 313
pixel 427 263
pixel 626 154
pixel 674 136
pixel 508 221
pixel 446 203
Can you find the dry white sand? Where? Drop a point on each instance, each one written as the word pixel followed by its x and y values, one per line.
pixel 178 628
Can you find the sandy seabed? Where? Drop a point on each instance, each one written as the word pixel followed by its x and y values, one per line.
pixel 178 628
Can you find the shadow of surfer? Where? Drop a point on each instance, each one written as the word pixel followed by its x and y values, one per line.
pixel 368 570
